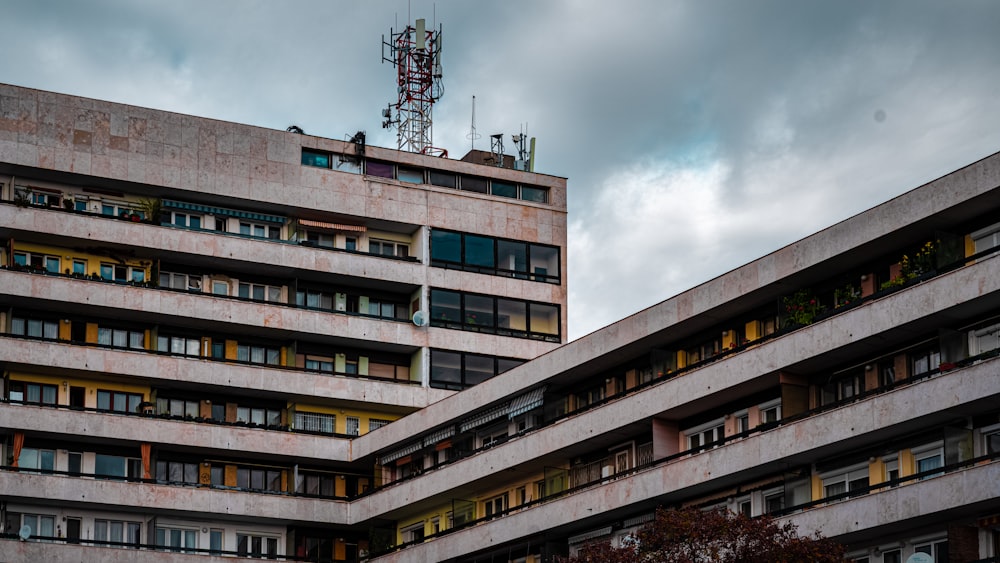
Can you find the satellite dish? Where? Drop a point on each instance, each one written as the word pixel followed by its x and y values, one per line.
pixel 24 533
pixel 920 558
pixel 420 318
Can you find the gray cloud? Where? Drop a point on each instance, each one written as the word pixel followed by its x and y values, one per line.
pixel 696 135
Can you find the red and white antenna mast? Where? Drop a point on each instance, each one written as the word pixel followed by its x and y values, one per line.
pixel 416 54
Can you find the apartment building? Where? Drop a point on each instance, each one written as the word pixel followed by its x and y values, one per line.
pixel 197 318
pixel 847 383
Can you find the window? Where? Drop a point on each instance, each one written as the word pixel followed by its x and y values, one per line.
pixel 503 189
pixel 258 354
pixel 987 238
pixel 500 257
pixel 117 466
pixel 351 244
pixel 314 422
pixel 185 220
pixel 991 441
pixel 842 389
pixel 774 501
pixel 413 533
pixel 891 468
pixel 33 458
pixel 493 436
pixel 313 157
pixel 484 313
pixel 79 267
pixel 743 506
pixel 848 480
pixel 376 423
pixel 742 422
pixel 117 532
pixel 220 288
pixel 260 230
pixel 177 472
pixel 705 434
pixel 179 345
pixel 34 393
pixel 180 281
pixel 248 545
pixel 984 340
pixel 34 328
pixel 531 193
pixel 324 240
pixel 121 338
pixel 411 175
pixel 317 484
pixel 456 370
pixel 37 261
pixel 119 273
pixel 496 505
pixel 176 539
pixel 40 525
pixel 178 407
pixel 894 556
pixel 215 537
pixel 118 401
pixel 770 412
pixel 259 292
pixel 115 208
pixel 386 309
pixel 928 459
pixel 380 169
pixel 925 360
pixel 258 415
pixel 388 248
pixel 319 363
pixel 473 184
pixel 443 179
pixel 938 549
pixel 258 479
pixel 886 372
pixel 353 426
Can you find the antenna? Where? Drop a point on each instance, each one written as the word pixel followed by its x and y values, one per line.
pixel 496 147
pixel 416 53
pixel 473 135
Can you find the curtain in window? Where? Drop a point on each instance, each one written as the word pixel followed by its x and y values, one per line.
pixel 145 448
pixel 18 444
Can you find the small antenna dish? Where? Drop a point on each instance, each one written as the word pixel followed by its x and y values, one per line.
pixel 24 533
pixel 420 318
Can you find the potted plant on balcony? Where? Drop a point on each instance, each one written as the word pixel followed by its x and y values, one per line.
pixel 801 308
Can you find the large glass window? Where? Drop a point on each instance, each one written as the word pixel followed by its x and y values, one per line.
pixel 313 157
pixel 489 255
pixel 455 370
pixel 37 393
pixel 117 532
pixel 177 539
pixel 315 422
pixel 118 401
pixel 35 328
pixel 504 189
pixel 484 313
pixel 33 458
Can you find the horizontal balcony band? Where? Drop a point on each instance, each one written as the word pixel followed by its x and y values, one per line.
pixel 713 381
pixel 213 439
pixel 290 383
pixel 930 401
pixel 120 495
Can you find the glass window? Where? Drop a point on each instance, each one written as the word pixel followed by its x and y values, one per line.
pixel 503 189
pixel 479 310
pixel 544 318
pixel 445 306
pixel 479 251
pixel 446 369
pixel 512 256
pixel 109 465
pixel 446 246
pixel 471 184
pixel 312 157
pixel 512 314
pixel 79 267
pixel 412 175
pixel 443 179
pixel 380 169
pixel 531 193
pixel 544 263
pixel 478 368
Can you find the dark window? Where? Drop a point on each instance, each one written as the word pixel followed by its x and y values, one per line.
pixel 380 169
pixel 479 251
pixel 470 184
pixel 446 246
pixel 446 306
pixel 454 370
pixel 539 195
pixel 443 179
pixel 446 370
pixel 504 189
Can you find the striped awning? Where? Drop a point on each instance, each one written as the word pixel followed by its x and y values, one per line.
pixel 222 211
pixel 332 226
pixel 524 403
pixel 606 531
pixel 637 520
pixel 401 452
pixel 485 416
pixel 439 435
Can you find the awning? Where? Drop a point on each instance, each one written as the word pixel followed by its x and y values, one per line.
pixel 332 226
pixel 486 416
pixel 222 211
pixel 606 531
pixel 637 520
pixel 404 451
pixel 530 400
pixel 439 435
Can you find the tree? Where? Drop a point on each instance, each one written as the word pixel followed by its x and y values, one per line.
pixel 691 535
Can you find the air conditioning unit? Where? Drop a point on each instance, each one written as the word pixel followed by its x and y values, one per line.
pixel 521 165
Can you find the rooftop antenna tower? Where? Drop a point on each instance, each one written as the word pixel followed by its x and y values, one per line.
pixel 416 53
pixel 473 135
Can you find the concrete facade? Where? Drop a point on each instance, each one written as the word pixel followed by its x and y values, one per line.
pixel 248 382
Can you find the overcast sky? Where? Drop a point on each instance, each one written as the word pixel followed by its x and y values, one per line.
pixel 696 135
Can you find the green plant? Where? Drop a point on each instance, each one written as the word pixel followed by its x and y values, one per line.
pixel 846 295
pixel 924 260
pixel 801 307
pixel 151 208
pixel 22 197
